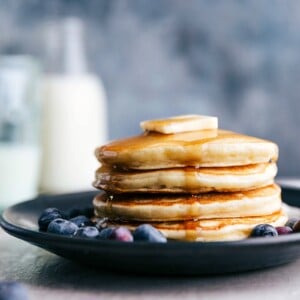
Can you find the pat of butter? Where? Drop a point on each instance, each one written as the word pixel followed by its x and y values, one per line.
pixel 180 124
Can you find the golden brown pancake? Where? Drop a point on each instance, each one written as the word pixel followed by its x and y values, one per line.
pixel 204 148
pixel 213 229
pixel 162 207
pixel 186 180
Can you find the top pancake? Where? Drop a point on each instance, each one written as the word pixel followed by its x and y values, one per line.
pixel 204 148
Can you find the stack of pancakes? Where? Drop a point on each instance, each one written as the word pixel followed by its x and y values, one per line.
pixel 204 184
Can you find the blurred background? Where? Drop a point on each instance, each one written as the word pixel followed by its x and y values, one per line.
pixel 124 61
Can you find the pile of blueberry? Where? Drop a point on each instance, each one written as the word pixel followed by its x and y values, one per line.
pixel 77 223
pixel 266 230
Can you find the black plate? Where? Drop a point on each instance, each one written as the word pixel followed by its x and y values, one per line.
pixel 176 258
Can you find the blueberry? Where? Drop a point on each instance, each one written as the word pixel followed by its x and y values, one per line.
pixel 121 234
pixel 284 230
pixel 264 230
pixel 146 232
pixel 81 221
pixel 48 215
pixel 291 222
pixel 11 290
pixel 62 227
pixel 87 232
pixel 296 227
pixel 106 233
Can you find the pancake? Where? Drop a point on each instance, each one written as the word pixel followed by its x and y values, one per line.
pixel 219 229
pixel 204 148
pixel 213 229
pixel 176 207
pixel 186 180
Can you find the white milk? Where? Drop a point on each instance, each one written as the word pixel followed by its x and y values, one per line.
pixel 73 125
pixel 74 113
pixel 19 165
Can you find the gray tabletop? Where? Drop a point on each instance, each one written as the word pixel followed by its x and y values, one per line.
pixel 48 276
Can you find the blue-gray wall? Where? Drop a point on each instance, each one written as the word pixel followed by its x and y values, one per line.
pixel 239 60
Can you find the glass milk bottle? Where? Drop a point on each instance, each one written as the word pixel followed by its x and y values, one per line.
pixel 19 129
pixel 74 113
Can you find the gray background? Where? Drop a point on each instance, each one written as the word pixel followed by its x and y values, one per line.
pixel 239 60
